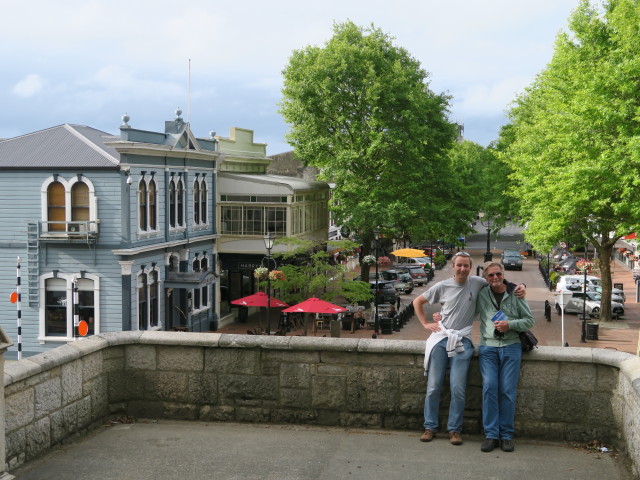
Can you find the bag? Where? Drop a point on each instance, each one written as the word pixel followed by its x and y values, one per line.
pixel 528 341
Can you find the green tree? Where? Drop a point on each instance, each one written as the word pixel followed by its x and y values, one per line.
pixel 575 151
pixel 361 110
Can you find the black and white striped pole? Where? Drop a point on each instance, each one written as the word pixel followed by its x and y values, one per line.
pixel 18 302
pixel 76 313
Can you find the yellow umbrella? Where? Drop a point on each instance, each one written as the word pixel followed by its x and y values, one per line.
pixel 408 253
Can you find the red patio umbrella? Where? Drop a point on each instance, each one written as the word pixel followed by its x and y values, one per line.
pixel 315 305
pixel 259 299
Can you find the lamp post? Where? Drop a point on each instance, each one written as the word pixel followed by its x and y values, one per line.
pixel 376 321
pixel 268 243
pixel 488 256
pixel 562 299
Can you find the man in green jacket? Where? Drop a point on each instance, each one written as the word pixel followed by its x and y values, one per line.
pixel 502 317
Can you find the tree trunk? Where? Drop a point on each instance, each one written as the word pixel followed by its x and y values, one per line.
pixel 604 259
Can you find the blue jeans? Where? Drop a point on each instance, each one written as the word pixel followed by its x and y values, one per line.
pixel 500 369
pixel 459 366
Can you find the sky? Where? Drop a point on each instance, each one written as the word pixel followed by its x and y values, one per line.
pixel 90 62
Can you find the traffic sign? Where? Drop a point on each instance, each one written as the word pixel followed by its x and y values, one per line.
pixel 14 297
pixel 83 328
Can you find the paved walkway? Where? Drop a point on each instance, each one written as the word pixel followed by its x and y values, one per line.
pixel 159 450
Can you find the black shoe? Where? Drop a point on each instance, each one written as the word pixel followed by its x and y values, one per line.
pixel 507 445
pixel 489 444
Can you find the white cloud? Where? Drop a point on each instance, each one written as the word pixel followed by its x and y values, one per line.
pixel 483 99
pixel 29 86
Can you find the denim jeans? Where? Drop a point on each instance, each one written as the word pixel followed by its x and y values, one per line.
pixel 500 369
pixel 459 366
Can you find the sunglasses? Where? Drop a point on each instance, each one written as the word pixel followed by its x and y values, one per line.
pixel 497 274
pixel 461 254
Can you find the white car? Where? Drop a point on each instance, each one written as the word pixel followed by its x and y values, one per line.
pixel 590 302
pixel 578 280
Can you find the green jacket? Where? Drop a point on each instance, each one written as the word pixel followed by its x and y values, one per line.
pixel 518 314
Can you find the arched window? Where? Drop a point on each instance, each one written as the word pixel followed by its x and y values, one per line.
pixel 148 288
pixel 153 299
pixel 200 296
pixel 172 204
pixel 153 222
pixel 56 209
pixel 142 302
pixel 57 314
pixel 180 203
pixel 203 203
pixel 80 205
pixel 196 202
pixel 142 205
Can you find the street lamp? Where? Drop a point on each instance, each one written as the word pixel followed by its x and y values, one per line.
pixel 268 243
pixel 376 235
pixel 488 256
pixel 562 298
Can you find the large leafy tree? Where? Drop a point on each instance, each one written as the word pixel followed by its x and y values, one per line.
pixel 361 110
pixel 575 149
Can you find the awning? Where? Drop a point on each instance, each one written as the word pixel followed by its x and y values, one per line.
pixel 630 236
pixel 189 279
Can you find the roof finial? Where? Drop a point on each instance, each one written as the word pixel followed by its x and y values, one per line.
pixel 125 119
pixel 178 113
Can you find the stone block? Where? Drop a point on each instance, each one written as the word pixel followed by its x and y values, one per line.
pixel 180 411
pixel 568 407
pixel 295 375
pixel 372 390
pixel 202 388
pixel 48 397
pixel 607 378
pixel 92 366
pixel 217 413
pixel 140 357
pixel 71 382
pixel 63 423
pixel 298 416
pixel 84 412
pixel 579 377
pixel 295 397
pixel 412 380
pixel 145 409
pixel 600 411
pixel 232 361
pixel 96 389
pixel 19 409
pixel 328 392
pixel 543 375
pixel 357 419
pixel 411 403
pixel 253 414
pixel 248 387
pixel 530 404
pixel 129 386
pixel 166 386
pixel 38 436
pixel 16 444
pixel 323 369
pixel 182 359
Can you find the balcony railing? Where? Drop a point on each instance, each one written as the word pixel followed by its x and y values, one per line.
pixel 87 229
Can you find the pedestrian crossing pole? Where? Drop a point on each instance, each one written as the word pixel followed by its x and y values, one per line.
pixel 19 307
pixel 76 313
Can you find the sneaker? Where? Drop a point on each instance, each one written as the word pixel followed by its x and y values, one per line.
pixel 507 445
pixel 489 444
pixel 455 438
pixel 427 436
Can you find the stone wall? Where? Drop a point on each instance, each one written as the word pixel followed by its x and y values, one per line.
pixel 575 394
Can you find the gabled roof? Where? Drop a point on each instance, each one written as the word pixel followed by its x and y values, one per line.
pixel 64 146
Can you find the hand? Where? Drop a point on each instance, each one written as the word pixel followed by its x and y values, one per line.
pixel 437 317
pixel 501 326
pixel 434 327
pixel 520 290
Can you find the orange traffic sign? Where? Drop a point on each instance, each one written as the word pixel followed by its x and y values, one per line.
pixel 83 328
pixel 14 297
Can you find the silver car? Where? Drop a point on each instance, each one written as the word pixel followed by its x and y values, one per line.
pixel 590 303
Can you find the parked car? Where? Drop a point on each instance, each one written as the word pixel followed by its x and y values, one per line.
pixel 385 293
pixel 419 261
pixel 578 280
pixel 402 282
pixel 577 303
pixel 511 259
pixel 417 273
pixel 616 294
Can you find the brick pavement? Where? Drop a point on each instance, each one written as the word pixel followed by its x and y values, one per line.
pixel 619 335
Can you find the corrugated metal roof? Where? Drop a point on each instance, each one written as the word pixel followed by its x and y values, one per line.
pixel 293 182
pixel 64 146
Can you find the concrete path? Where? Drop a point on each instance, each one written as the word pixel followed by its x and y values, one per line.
pixel 161 450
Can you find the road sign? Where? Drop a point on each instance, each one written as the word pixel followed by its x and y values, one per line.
pixel 14 297
pixel 83 328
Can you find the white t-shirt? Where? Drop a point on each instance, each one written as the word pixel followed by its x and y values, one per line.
pixel 458 300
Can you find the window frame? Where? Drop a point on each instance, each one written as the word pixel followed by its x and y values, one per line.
pixel 69 226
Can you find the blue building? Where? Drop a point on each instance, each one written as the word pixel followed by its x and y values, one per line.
pixel 121 227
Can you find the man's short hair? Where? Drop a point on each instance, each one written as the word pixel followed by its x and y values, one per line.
pixel 462 254
pixel 488 265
